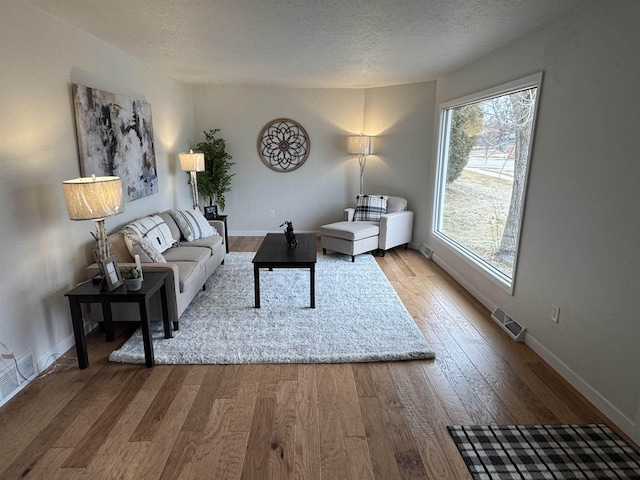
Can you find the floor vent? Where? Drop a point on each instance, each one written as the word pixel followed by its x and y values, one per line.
pixel 508 324
pixel 426 251
pixel 11 378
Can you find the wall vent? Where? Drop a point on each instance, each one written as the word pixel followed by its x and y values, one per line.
pixel 426 251
pixel 508 324
pixel 10 379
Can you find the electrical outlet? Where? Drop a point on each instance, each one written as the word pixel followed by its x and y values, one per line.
pixel 272 214
pixel 555 313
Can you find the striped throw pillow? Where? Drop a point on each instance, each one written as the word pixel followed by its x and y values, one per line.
pixel 183 224
pixel 198 226
pixel 153 229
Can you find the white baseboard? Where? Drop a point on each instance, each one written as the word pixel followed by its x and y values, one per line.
pixel 601 403
pixel 462 281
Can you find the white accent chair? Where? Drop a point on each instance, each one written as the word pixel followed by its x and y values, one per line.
pixel 355 237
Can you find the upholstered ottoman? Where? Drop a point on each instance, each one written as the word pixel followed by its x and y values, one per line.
pixel 350 238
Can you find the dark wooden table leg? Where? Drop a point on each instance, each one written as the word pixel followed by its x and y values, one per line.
pixel 165 311
pixel 312 279
pixel 108 321
pixel 256 282
pixel 78 332
pixel 146 334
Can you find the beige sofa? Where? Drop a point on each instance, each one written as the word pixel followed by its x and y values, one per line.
pixel 188 264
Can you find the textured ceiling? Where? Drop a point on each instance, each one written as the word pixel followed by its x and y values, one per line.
pixel 307 43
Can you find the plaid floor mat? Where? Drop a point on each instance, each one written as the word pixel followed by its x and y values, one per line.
pixel 541 452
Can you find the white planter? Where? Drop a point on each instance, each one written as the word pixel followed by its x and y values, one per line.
pixel 133 284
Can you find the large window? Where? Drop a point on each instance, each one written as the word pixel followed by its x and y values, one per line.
pixel 483 162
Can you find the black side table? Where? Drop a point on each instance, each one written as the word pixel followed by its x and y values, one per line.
pixel 89 293
pixel 223 219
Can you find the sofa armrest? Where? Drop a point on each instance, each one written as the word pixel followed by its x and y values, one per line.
pixel 218 225
pixel 348 214
pixel 395 229
pixel 173 280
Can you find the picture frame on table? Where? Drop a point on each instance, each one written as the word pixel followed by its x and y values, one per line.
pixel 211 212
pixel 112 278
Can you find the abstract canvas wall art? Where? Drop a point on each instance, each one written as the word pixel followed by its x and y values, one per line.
pixel 115 137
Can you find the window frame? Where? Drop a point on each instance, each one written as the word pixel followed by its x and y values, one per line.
pixel 475 261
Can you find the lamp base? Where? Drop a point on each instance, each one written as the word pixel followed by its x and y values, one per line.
pixel 194 190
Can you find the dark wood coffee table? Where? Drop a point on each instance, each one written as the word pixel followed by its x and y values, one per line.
pixel 274 253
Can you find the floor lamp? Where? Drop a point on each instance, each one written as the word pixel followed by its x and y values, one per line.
pixel 361 145
pixel 94 198
pixel 192 163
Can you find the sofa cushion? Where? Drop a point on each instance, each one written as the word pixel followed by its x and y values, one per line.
pixel 187 254
pixel 154 229
pixel 142 247
pixel 396 204
pixel 187 274
pixel 351 231
pixel 176 234
pixel 119 250
pixel 370 207
pixel 213 242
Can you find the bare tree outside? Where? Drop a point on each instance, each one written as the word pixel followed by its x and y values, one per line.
pixel 521 118
pixel 488 143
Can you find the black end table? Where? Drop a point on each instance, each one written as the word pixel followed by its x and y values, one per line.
pixel 223 219
pixel 89 293
pixel 274 253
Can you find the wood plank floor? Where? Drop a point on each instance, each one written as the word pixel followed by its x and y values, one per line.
pixel 339 421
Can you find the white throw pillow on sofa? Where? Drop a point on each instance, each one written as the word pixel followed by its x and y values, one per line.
pixel 153 229
pixel 143 248
pixel 194 224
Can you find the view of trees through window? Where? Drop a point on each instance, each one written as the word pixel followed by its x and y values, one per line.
pixel 484 154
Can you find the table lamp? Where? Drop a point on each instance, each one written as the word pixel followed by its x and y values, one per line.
pixel 192 163
pixel 94 198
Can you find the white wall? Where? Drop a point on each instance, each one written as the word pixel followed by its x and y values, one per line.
pixel 581 225
pixel 310 196
pixel 403 119
pixel 43 252
pixel 317 192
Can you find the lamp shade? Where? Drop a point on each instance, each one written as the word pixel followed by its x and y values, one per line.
pixel 192 162
pixel 91 198
pixel 360 144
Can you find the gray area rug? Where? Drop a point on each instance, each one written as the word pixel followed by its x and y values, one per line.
pixel 358 318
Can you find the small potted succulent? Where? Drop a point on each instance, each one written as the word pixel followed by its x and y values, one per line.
pixel 132 278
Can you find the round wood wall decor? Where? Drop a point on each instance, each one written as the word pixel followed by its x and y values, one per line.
pixel 283 145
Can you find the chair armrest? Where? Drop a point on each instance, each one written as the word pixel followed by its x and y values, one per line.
pixel 395 229
pixel 348 214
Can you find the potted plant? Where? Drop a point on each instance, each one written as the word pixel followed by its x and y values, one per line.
pixel 132 278
pixel 215 181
